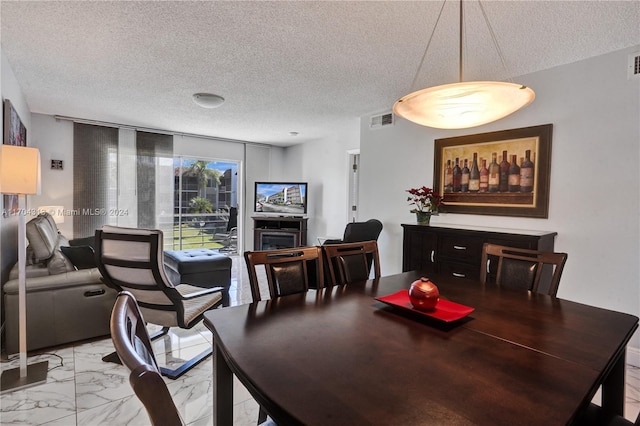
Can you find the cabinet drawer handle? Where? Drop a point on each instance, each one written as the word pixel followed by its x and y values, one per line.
pixel 456 274
pixel 433 253
pixel 459 247
pixel 488 263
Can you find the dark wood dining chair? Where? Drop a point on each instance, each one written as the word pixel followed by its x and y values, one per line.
pixel 521 268
pixel 594 415
pixel 349 262
pixel 288 271
pixel 133 346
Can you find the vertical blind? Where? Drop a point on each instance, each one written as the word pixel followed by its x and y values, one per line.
pixel 95 180
pixel 152 152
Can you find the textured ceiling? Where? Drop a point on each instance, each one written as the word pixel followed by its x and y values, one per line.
pixel 308 67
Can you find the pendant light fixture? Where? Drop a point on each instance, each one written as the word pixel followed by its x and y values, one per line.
pixel 464 104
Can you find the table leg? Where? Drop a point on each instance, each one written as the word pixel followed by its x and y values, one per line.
pixel 613 388
pixel 222 389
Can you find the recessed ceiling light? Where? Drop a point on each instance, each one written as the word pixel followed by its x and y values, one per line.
pixel 208 100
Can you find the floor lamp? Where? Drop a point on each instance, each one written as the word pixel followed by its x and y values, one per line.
pixel 20 175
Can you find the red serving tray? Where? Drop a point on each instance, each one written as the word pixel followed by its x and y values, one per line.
pixel 445 310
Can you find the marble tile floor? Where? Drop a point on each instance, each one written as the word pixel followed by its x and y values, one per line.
pixel 83 390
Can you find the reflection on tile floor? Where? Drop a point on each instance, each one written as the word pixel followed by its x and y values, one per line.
pixel 83 390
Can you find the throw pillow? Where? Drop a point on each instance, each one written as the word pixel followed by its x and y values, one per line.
pixel 82 257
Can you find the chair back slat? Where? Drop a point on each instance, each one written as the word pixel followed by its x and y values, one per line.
pixel 287 271
pixel 522 268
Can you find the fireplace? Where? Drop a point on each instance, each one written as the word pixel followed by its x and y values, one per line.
pixel 278 232
pixel 277 240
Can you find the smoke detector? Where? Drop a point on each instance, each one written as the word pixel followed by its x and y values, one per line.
pixel 208 100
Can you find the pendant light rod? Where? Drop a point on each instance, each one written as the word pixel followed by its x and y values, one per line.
pixel 426 49
pixel 461 44
pixel 495 41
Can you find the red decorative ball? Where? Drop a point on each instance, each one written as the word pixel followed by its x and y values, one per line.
pixel 424 294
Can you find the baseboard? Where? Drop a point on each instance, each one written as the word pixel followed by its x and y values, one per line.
pixel 633 356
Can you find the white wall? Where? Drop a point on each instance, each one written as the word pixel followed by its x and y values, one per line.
pixel 54 139
pixel 324 164
pixel 11 90
pixel 595 178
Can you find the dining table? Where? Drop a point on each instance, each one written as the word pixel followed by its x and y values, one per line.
pixel 359 354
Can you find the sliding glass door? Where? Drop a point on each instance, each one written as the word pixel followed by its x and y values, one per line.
pixel 205 205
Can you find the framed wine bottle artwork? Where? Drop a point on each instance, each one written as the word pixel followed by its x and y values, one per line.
pixel 503 173
pixel 15 133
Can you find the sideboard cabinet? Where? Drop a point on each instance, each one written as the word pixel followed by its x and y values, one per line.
pixel 457 249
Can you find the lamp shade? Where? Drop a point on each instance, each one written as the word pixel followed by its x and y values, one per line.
pixel 19 170
pixel 463 105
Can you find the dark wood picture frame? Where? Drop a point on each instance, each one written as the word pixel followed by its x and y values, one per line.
pixel 14 134
pixel 534 203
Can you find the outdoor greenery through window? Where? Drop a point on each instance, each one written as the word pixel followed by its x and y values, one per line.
pixel 205 204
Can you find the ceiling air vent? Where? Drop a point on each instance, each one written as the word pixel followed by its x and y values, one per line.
pixel 634 65
pixel 382 120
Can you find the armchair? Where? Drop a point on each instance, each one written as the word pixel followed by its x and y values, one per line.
pixel 132 259
pixel 229 239
pixel 58 292
pixel 356 232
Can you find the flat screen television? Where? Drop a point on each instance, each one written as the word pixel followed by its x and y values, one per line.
pixel 280 198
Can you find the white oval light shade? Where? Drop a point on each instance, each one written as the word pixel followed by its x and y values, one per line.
pixel 463 105
pixel 208 100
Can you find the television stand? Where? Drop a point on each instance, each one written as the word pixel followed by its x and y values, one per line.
pixel 272 233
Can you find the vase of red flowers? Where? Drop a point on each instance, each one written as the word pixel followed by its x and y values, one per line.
pixel 426 202
pixel 423 218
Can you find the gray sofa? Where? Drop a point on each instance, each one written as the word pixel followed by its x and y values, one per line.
pixel 64 303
